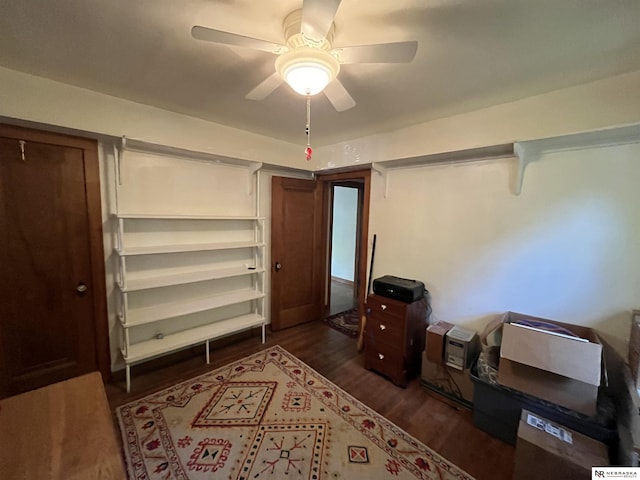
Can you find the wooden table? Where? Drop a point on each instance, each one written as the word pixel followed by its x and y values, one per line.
pixel 63 431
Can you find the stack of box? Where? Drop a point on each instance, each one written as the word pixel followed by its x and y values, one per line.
pixel 548 377
pixel 565 369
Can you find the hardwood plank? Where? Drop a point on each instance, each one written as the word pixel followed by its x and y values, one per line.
pixel 445 429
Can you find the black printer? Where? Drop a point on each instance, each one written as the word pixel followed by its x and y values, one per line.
pixel 398 288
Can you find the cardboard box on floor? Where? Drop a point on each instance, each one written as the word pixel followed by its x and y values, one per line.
pixel 558 369
pixel 548 450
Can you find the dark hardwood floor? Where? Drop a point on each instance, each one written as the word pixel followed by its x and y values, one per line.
pixel 448 431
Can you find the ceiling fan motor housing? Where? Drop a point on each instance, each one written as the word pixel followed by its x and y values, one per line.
pixel 292 28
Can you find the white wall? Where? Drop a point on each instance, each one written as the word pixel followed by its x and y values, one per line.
pixel 607 103
pixel 343 241
pixel 567 248
pixel 602 104
pixel 36 99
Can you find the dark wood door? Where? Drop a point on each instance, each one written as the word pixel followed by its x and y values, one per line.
pixel 297 274
pixel 48 287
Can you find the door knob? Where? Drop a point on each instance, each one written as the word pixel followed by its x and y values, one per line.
pixel 81 289
pixel 278 266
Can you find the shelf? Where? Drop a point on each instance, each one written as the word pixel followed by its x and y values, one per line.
pixel 154 347
pixel 235 263
pixel 166 280
pixel 163 311
pixel 185 247
pixel 142 146
pixel 154 216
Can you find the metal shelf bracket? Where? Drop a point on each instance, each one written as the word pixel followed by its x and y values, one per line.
pixel 382 171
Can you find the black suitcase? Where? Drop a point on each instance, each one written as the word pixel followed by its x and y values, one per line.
pixel 402 289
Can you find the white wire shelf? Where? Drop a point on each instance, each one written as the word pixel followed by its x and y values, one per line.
pixel 175 341
pixel 185 247
pixel 141 316
pixel 172 216
pixel 166 280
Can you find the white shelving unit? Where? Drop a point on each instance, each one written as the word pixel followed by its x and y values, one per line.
pixel 133 281
pixel 183 279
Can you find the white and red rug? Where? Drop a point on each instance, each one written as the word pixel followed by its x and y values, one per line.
pixel 268 416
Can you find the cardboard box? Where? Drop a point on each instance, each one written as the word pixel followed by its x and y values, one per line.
pixel 548 450
pixel 451 384
pixel 567 392
pixel 558 369
pixel 563 355
pixel 435 340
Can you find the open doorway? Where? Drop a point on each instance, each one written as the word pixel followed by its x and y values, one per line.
pixel 301 218
pixel 348 251
pixel 344 245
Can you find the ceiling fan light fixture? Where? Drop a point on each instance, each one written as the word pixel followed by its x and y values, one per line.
pixel 307 70
pixel 307 78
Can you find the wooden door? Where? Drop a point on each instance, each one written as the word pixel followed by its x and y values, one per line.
pixel 52 278
pixel 297 273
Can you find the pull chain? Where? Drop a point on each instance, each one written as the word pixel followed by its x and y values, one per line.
pixel 308 151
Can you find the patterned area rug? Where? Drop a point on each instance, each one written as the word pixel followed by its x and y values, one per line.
pixel 346 322
pixel 268 416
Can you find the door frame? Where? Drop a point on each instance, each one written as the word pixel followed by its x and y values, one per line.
pixel 362 177
pixel 94 221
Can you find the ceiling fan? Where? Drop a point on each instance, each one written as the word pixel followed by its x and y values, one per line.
pixel 308 62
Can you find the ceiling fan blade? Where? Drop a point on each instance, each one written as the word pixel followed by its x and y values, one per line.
pixel 338 96
pixel 226 38
pixel 317 17
pixel 398 52
pixel 264 89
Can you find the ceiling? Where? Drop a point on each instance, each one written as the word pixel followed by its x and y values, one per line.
pixel 471 54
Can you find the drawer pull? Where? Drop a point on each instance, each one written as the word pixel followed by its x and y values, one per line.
pixel 383 327
pixel 381 356
pixel 383 307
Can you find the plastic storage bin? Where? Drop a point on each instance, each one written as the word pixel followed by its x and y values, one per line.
pixel 497 409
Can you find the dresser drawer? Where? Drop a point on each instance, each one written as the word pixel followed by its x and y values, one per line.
pixel 385 329
pixel 387 361
pixel 386 306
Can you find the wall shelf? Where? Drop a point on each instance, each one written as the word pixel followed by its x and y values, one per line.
pixel 193 336
pixel 140 316
pixel 166 280
pixel 155 216
pixel 165 260
pixel 185 247
pixel 525 152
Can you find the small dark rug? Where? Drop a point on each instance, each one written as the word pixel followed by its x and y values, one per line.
pixel 346 322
